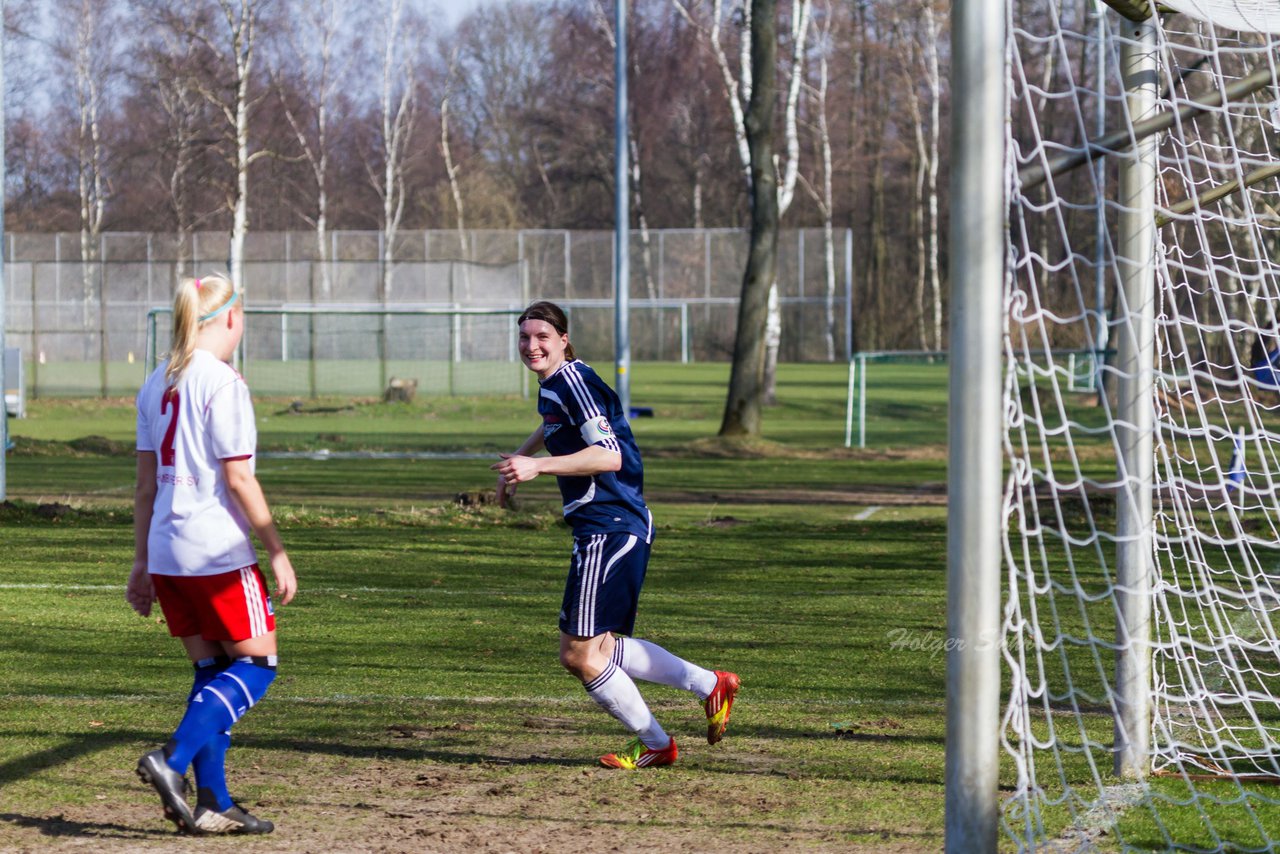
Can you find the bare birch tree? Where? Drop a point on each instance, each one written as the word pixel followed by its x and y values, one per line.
pixel 228 30
pixel 933 80
pixel 450 167
pixel 823 197
pixel 506 106
pixel 398 112
pixel 180 103
pixel 741 88
pixel 684 124
pixel 85 46
pixel 745 400
pixel 242 18
pixel 800 10
pixel 313 42
pixel 920 218
pixel 737 91
pixel 183 143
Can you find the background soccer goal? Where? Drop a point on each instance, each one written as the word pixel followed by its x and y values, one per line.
pixel 1141 550
pixel 310 351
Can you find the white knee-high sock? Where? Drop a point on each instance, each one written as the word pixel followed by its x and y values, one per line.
pixel 614 691
pixel 641 659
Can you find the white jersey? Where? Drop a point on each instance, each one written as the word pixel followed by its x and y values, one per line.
pixel 196 526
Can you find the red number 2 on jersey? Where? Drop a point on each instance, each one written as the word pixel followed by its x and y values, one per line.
pixel 167 454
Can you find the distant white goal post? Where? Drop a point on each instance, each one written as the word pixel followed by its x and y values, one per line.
pixel 1077 370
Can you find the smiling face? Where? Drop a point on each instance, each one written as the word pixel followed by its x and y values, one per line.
pixel 542 347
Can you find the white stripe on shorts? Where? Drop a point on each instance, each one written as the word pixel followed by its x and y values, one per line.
pixel 589 572
pixel 253 603
pixel 631 544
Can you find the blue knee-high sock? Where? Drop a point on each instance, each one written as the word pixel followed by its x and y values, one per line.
pixel 209 763
pixel 218 705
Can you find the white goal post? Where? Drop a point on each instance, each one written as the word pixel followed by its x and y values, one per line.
pixel 1136 562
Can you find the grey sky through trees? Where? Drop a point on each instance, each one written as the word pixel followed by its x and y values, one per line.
pixel 528 86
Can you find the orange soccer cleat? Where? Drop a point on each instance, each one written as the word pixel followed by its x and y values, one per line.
pixel 718 704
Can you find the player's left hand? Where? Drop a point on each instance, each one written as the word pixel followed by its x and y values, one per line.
pixel 286 580
pixel 140 593
pixel 505 491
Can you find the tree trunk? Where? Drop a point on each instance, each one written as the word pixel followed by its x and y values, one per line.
pixel 786 192
pixel 243 36
pixel 240 215
pixel 933 34
pixel 637 201
pixel 772 341
pixel 826 201
pixel 920 165
pixel 89 63
pixel 697 192
pixel 744 403
pixel 876 244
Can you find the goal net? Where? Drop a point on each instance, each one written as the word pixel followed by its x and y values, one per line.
pixel 356 351
pixel 1142 550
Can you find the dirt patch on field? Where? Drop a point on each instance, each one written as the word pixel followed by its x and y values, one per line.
pixel 493 805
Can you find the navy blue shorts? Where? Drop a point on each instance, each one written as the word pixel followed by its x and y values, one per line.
pixel 603 589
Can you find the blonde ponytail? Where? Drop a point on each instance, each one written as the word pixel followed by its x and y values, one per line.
pixel 193 301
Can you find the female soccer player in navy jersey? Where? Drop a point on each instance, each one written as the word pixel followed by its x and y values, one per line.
pixel 196 501
pixel 597 464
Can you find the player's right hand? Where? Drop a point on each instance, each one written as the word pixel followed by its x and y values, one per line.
pixel 140 593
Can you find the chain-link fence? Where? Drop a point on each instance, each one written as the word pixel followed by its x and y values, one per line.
pixel 79 313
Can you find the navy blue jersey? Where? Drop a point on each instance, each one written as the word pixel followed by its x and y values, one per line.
pixel 579 410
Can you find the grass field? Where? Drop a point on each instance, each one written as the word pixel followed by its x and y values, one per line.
pixel 420 706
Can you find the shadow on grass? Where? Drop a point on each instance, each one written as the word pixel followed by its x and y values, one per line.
pixel 805 832
pixel 22 767
pixel 406 753
pixel 57 826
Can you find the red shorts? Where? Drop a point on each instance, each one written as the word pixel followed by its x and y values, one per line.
pixel 230 606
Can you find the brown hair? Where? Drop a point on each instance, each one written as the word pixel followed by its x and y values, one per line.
pixel 194 299
pixel 553 314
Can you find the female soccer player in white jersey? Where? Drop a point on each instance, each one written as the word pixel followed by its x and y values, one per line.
pixel 196 501
pixel 597 464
